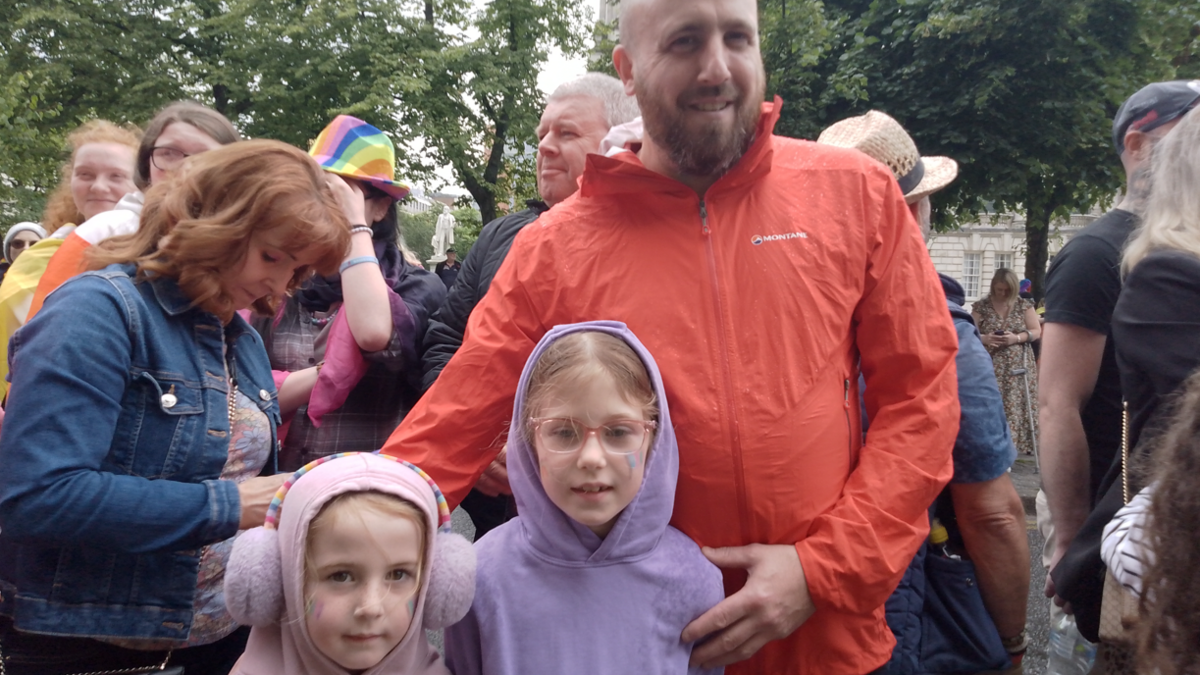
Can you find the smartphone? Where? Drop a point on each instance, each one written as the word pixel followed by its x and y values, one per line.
pixel 1000 333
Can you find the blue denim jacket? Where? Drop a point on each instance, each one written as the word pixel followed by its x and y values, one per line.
pixel 116 432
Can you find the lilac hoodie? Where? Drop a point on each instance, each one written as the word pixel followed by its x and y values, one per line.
pixel 552 597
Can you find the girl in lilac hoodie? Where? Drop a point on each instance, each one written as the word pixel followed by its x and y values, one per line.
pixel 590 578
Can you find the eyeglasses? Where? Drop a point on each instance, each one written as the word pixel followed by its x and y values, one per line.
pixel 167 158
pixel 563 435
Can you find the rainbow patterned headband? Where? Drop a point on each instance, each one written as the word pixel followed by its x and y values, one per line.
pixel 352 148
pixel 272 520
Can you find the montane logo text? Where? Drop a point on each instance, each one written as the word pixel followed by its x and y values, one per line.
pixel 759 239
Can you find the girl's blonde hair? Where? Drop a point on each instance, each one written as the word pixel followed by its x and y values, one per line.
pixel 1010 279
pixel 1172 218
pixel 573 359
pixel 60 205
pixel 352 505
pixel 196 227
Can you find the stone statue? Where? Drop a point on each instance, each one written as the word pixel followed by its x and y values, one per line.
pixel 443 235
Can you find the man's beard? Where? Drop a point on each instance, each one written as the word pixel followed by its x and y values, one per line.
pixel 710 150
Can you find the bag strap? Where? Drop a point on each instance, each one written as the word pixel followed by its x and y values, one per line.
pixel 141 670
pixel 1125 451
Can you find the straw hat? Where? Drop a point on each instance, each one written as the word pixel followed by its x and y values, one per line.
pixel 352 148
pixel 882 137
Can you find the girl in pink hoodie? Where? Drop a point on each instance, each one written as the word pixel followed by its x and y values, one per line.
pixel 346 578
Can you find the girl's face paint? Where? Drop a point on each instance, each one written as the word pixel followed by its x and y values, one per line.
pixel 364 571
pixel 411 605
pixel 591 485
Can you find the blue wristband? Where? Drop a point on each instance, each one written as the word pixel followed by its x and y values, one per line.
pixel 357 261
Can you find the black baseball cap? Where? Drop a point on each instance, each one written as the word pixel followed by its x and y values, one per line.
pixel 1153 106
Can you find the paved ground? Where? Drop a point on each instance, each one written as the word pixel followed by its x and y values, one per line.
pixel 1027 481
pixel 1037 624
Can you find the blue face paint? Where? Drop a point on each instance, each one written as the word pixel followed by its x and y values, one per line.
pixel 411 606
pixel 632 457
pixel 309 609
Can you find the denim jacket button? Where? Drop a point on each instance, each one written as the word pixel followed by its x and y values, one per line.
pixel 262 393
pixel 169 400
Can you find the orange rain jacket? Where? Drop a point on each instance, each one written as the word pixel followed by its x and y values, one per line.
pixel 757 301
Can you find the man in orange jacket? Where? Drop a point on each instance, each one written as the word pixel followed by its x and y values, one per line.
pixel 763 273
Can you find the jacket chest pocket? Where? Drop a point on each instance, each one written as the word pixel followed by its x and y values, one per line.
pixel 161 428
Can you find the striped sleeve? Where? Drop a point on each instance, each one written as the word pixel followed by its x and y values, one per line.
pixel 1124 548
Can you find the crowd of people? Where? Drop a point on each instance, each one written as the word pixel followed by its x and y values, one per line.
pixel 707 401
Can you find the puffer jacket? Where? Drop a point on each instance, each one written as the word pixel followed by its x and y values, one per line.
pixel 446 328
pixel 758 300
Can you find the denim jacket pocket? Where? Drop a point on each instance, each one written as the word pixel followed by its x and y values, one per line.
pixel 162 418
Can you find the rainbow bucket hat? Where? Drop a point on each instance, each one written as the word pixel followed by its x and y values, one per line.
pixel 352 148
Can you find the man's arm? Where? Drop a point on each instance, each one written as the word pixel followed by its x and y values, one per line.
pixel 857 551
pixel 460 424
pixel 1070 364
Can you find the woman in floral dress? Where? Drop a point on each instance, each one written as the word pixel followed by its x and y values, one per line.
pixel 1007 324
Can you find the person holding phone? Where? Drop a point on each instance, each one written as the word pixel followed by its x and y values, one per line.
pixel 1007 323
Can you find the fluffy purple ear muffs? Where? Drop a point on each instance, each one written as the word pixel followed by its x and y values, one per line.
pixel 254 579
pixel 451 586
pixel 254 573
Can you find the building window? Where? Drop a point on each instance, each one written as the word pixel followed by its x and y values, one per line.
pixel 970 279
pixel 1004 261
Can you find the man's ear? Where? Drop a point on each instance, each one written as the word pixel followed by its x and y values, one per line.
pixel 624 66
pixel 1138 145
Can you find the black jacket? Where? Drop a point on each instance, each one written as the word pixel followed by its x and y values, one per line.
pixel 446 327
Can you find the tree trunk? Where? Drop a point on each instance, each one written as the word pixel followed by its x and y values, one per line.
pixel 1038 210
pixel 487 205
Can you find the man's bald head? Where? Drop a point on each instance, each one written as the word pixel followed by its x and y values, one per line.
pixel 697 72
pixel 632 18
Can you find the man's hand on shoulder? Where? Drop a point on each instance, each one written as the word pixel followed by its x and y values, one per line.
pixel 772 605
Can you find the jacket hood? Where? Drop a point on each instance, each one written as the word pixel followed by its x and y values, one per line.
pixel 554 534
pixel 953 290
pixel 956 298
pixel 17 229
pixel 285 648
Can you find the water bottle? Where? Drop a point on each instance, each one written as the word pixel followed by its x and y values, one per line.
pixel 940 538
pixel 1070 653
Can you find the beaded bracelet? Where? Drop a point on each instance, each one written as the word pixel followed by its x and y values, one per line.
pixel 357 261
pixel 361 228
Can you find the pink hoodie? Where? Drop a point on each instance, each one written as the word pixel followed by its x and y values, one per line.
pixel 279 641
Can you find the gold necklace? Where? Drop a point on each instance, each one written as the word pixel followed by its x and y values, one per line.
pixel 231 377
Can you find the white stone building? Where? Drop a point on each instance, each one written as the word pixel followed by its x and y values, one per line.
pixel 974 253
pixel 607 11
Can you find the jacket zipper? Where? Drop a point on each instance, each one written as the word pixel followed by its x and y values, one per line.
pixel 849 426
pixel 727 377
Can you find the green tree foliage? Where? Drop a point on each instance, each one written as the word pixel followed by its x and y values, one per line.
pixel 28 156
pixel 482 94
pixel 1020 92
pixel 453 85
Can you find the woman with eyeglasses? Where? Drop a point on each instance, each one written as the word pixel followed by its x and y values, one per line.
pixel 178 131
pixel 353 339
